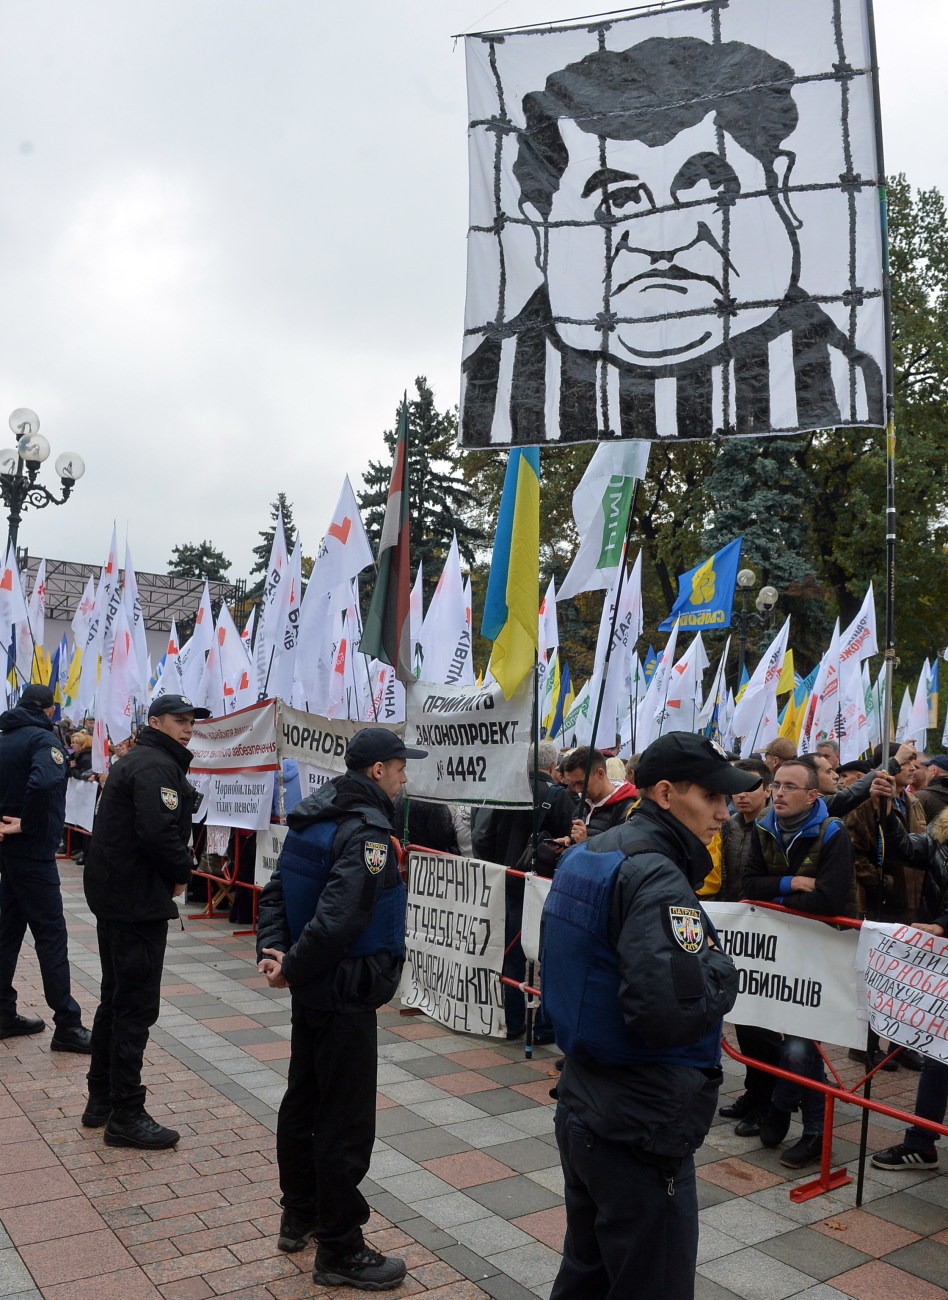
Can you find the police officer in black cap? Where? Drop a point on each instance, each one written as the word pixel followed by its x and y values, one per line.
pixel 636 988
pixel 332 927
pixel 138 861
pixel 33 776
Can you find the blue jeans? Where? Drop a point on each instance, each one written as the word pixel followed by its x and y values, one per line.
pixel 801 1056
pixel 931 1102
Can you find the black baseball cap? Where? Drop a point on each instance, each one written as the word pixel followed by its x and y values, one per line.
pixel 683 756
pixel 175 704
pixel 940 760
pixel 377 745
pixel 40 697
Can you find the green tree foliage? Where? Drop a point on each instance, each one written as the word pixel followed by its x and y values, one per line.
pixel 198 560
pixel 262 550
pixel 439 500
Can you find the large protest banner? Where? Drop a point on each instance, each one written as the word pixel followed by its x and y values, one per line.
pixel 80 803
pixel 245 741
pixel 794 975
pixel 477 742
pixel 905 986
pixel 455 942
pixel 242 799
pixel 316 741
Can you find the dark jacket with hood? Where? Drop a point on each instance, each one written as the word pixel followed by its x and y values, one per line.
pixel 934 798
pixel 139 848
pixel 823 853
pixel 927 852
pixel 502 834
pixel 316 967
pixel 33 775
pixel 612 811
pixel 662 1110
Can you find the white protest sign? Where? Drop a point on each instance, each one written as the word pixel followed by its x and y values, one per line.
pixel 244 741
pixel 241 799
pixel 905 986
pixel 311 778
pixel 794 975
pixel 477 742
pixel 535 890
pixel 269 847
pixel 455 942
pixel 80 803
pixel 315 741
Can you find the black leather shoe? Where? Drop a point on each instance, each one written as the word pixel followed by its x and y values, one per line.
pixel 136 1128
pixel 97 1111
pixel 296 1231
pixel 774 1124
pixel 74 1039
pixel 365 1268
pixel 20 1026
pixel 804 1152
pixel 910 1059
pixel 736 1109
pixel 749 1127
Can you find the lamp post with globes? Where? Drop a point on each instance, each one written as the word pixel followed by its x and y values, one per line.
pixel 766 599
pixel 20 465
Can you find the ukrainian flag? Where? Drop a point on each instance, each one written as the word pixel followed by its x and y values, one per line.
pixel 512 601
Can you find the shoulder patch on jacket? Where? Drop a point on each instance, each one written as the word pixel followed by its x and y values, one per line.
pixel 57 755
pixel 686 927
pixel 169 798
pixel 375 855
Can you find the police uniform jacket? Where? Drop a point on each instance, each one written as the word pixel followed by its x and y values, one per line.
pixel 33 776
pixel 668 996
pixel 320 974
pixel 139 849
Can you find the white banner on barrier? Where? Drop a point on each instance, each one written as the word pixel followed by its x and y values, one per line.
pixel 80 803
pixel 316 741
pixel 535 891
pixel 311 778
pixel 241 799
pixel 245 741
pixel 455 942
pixel 796 975
pixel 269 847
pixel 477 742
pixel 905 986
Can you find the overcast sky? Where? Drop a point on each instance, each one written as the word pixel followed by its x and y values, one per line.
pixel 233 231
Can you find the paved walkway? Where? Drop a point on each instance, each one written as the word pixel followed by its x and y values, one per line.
pixel 465 1181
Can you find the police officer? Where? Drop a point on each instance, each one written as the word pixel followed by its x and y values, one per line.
pixel 636 988
pixel 331 926
pixel 137 862
pixel 33 776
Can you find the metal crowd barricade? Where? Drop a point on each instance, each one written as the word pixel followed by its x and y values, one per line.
pixel 229 880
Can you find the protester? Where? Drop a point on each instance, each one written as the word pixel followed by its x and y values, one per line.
pixel 636 988
pixel 138 861
pixel 802 858
pixel 607 803
pixel 928 852
pixel 934 797
pixel 850 773
pixel 889 893
pixel 33 776
pixel 778 751
pixel 331 928
pixel 829 750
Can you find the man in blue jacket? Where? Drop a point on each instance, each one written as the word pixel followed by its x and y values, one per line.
pixel 331 926
pixel 33 776
pixel 636 987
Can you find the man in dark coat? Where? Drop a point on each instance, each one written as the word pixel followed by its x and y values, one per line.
pixel 331 927
pixel 33 776
pixel 934 796
pixel 139 860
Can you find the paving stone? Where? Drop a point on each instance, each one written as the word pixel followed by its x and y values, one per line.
pixel 446 1212
pixel 447 1111
pixel 426 1144
pixel 713 1244
pixel 525 1155
pixel 510 1197
pixel 814 1253
pixel 912 1212
pixel 925 1259
pixel 14 1275
pixel 530 1265
pixel 746 1223
pixel 502 1101
pixel 491 1234
pixel 467 1263
pixel 753 1275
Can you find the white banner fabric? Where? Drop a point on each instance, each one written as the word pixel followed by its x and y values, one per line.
pixel 240 799
pixel 455 942
pixel 80 803
pixel 905 986
pixel 477 743
pixel 245 741
pixel 795 975
pixel 269 847
pixel 315 741
pixel 535 891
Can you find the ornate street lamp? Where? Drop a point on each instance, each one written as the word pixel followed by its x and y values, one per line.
pixel 20 465
pixel 767 597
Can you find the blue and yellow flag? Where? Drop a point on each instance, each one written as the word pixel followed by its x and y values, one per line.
pixel 651 660
pixel 932 689
pixel 564 701
pixel 510 607
pixel 706 592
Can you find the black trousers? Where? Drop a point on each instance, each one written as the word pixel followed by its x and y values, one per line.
pixel 326 1124
pixel 764 1045
pixel 132 955
pixel 30 895
pixel 631 1227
